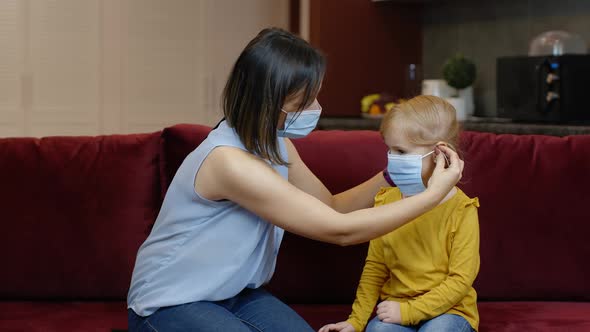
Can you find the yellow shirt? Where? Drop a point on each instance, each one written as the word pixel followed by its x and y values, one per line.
pixel 428 265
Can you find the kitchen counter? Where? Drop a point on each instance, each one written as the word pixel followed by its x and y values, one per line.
pixel 477 124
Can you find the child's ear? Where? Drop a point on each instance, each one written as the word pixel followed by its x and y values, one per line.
pixel 436 150
pixel 447 162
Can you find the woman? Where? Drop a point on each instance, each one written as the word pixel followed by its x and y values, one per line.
pixel 215 241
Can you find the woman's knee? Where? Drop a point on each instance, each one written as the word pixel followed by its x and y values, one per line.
pixel 137 323
pixel 263 311
pixel 196 316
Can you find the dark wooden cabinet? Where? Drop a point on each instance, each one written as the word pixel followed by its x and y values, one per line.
pixel 410 1
pixel 368 45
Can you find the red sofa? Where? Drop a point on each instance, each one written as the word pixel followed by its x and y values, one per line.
pixel 75 210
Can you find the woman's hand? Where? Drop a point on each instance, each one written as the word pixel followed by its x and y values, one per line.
pixel 444 178
pixel 389 312
pixel 339 327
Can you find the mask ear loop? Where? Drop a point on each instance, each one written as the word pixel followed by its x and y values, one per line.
pixel 287 125
pixel 428 154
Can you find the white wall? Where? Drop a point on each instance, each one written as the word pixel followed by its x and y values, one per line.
pixel 88 67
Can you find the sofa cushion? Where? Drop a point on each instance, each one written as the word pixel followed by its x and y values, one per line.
pixel 494 316
pixel 534 194
pixel 533 218
pixel 177 142
pixel 62 316
pixel 318 315
pixel 534 316
pixel 313 272
pixel 363 156
pixel 340 159
pixel 107 316
pixel 75 211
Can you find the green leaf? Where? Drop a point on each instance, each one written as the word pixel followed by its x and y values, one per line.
pixel 459 72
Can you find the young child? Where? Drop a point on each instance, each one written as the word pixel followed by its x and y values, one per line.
pixel 423 272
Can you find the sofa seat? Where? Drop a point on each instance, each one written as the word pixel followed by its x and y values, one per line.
pixel 39 316
pixel 109 316
pixel 534 316
pixel 494 316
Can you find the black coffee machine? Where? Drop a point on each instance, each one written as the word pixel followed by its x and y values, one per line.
pixel 544 89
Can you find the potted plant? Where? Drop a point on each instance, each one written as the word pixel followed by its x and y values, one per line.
pixel 459 72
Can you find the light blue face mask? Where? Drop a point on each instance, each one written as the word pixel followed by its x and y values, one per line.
pixel 406 172
pixel 300 124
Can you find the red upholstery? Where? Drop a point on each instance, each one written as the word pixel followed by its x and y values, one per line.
pixel 534 217
pixel 528 186
pixel 74 212
pixel 177 143
pixel 63 316
pixel 495 316
pixel 534 316
pixel 364 158
pixel 353 157
pixel 77 208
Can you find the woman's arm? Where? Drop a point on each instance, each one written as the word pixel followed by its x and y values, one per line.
pixel 236 175
pixel 359 197
pixel 463 268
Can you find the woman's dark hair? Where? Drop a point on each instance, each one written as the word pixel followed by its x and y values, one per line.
pixel 275 65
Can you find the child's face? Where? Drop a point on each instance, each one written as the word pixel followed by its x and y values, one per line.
pixel 398 144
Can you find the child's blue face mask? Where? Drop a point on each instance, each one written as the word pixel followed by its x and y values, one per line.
pixel 406 172
pixel 300 124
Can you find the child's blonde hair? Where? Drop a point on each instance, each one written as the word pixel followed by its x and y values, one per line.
pixel 425 121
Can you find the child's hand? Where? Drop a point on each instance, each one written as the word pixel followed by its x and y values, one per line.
pixel 340 327
pixel 389 312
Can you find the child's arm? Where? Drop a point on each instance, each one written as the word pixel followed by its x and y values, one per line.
pixel 463 268
pixel 375 274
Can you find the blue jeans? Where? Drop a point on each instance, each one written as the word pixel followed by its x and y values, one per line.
pixel 251 310
pixel 442 323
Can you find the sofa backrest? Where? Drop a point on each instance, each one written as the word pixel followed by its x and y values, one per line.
pixel 177 142
pixel 534 218
pixel 74 212
pixel 76 209
pixel 340 159
pixel 534 215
